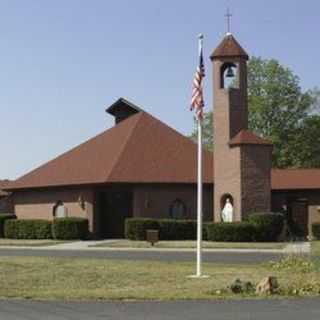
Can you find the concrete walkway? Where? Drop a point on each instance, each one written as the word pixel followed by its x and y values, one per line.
pixel 298 248
pixel 292 248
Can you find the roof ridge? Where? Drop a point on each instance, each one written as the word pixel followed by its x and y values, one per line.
pixel 176 131
pixel 72 149
pixel 130 132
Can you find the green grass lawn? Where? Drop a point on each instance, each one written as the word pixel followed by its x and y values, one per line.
pixel 192 244
pixel 28 243
pixel 86 279
pixel 315 253
pixel 315 247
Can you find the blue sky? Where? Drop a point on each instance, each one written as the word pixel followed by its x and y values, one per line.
pixel 63 62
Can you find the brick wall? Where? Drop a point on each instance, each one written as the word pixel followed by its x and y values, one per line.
pixel 230 115
pixel 39 204
pixel 255 179
pixel 155 200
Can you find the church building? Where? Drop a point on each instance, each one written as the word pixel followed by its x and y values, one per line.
pixel 143 168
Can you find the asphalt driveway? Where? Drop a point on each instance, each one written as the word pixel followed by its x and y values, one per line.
pixel 216 257
pixel 181 310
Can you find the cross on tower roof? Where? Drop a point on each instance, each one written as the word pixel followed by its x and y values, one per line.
pixel 228 15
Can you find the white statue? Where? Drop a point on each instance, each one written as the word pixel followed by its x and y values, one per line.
pixel 227 212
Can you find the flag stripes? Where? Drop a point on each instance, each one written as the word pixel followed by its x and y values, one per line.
pixel 197 100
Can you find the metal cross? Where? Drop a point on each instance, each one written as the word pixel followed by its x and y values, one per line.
pixel 228 15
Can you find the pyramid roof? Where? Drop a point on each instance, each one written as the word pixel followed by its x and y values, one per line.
pixel 139 149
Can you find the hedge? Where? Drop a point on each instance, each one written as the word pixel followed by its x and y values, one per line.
pixel 231 232
pixel 316 230
pixel 268 225
pixel 3 218
pixel 27 229
pixel 135 228
pixel 70 228
pixel 169 229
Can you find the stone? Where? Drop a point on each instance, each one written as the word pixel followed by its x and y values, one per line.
pixel 268 285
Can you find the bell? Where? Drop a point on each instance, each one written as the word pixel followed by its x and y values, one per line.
pixel 230 73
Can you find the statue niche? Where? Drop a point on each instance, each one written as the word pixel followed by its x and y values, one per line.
pixel 227 208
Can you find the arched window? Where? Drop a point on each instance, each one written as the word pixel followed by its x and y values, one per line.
pixel 229 76
pixel 178 209
pixel 59 210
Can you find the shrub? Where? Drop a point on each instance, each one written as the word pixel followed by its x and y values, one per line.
pixel 231 232
pixel 177 229
pixel 169 229
pixel 205 230
pixel 27 229
pixel 316 230
pixel 268 225
pixel 3 218
pixel 70 228
pixel 135 228
pixel 239 286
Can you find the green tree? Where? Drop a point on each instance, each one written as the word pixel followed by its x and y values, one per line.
pixel 207 138
pixel 306 143
pixel 280 111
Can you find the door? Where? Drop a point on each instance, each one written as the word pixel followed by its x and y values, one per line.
pixel 115 206
pixel 299 214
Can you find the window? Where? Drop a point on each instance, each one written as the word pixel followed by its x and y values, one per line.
pixel 178 209
pixel 59 210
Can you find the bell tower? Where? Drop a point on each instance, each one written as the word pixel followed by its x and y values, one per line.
pixel 242 160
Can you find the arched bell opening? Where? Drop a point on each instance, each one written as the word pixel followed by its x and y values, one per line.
pixel 229 76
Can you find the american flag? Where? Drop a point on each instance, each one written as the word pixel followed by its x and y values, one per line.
pixel 197 101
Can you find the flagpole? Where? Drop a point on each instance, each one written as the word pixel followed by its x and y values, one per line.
pixel 198 104
pixel 199 202
pixel 199 181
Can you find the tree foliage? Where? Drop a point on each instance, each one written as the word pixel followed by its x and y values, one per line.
pixel 281 111
pixel 207 137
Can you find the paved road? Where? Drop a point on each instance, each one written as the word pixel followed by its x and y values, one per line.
pixel 181 310
pixel 221 257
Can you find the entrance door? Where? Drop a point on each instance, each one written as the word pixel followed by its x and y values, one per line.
pixel 115 206
pixel 300 215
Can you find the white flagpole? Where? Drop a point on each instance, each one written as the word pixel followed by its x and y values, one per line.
pixel 199 203
pixel 199 187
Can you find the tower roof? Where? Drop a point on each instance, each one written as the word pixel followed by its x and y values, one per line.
pixel 248 137
pixel 229 47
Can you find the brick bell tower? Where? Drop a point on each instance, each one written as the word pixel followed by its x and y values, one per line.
pixel 242 160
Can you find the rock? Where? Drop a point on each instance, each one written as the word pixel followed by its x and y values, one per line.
pixel 268 285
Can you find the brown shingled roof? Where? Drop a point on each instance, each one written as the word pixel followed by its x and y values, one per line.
pixel 140 149
pixel 229 47
pixel 248 137
pixel 290 179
